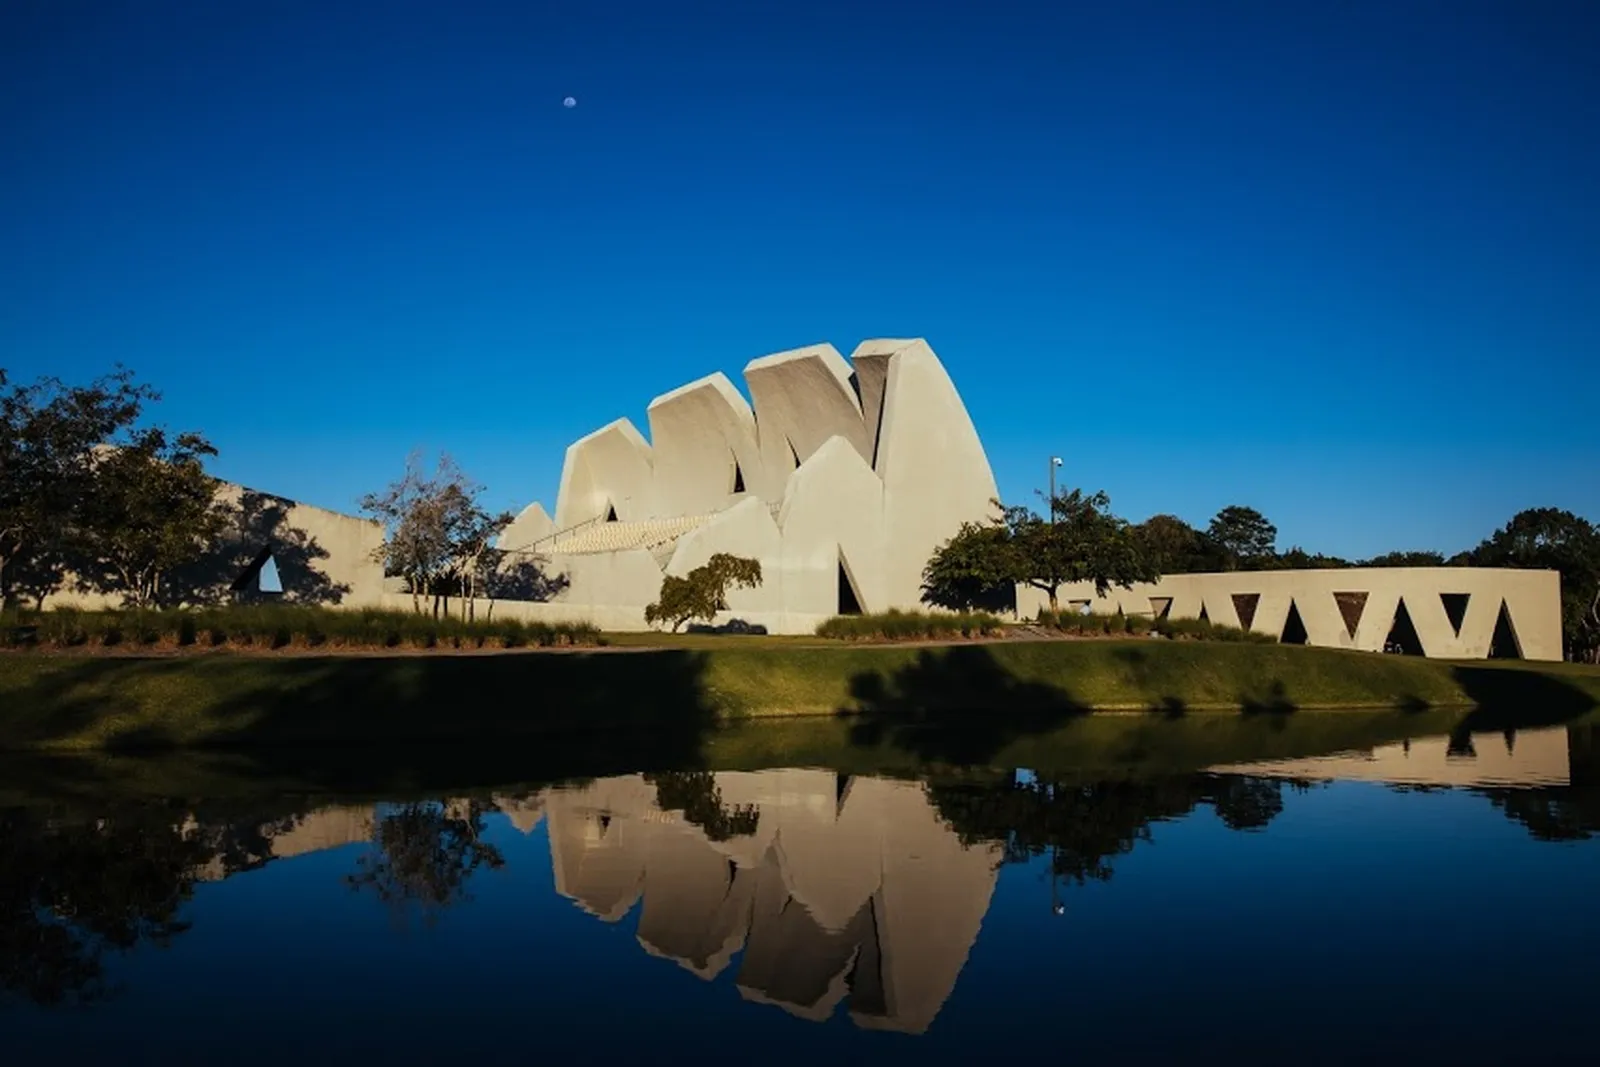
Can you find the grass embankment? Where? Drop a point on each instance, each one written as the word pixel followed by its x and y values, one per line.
pixel 990 693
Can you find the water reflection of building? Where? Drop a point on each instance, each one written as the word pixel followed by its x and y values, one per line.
pixel 1546 756
pixel 845 890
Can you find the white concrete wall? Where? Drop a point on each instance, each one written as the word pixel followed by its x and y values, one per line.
pixel 351 566
pixel 889 467
pixel 1532 600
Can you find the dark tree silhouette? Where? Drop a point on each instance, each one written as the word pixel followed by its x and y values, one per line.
pixel 423 855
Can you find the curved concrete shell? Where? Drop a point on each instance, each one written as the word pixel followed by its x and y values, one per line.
pixel 840 477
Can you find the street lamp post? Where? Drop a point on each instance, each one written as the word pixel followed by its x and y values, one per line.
pixel 1055 461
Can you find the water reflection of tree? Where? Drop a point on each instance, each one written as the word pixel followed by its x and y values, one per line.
pixel 1083 825
pixel 71 893
pixel 424 853
pixel 696 794
pixel 1553 813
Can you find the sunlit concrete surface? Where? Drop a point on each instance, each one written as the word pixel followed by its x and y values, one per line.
pixel 837 891
pixel 1453 612
pixel 840 476
pixel 277 550
pixel 1511 758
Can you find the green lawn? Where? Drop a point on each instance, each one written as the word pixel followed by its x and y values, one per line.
pixel 992 693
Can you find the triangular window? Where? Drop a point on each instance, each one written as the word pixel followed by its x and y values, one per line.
pixel 1403 635
pixel 1455 608
pixel 738 477
pixel 1504 644
pixel 1351 605
pixel 1160 606
pixel 268 581
pixel 1245 605
pixel 849 603
pixel 611 513
pixel 260 575
pixel 1205 616
pixel 1294 628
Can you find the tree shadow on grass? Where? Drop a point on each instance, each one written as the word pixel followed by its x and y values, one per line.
pixel 343 714
pixel 954 705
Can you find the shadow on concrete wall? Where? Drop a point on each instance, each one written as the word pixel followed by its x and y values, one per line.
pixel 261 527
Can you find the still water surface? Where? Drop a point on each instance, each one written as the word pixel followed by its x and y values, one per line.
pixel 1427 901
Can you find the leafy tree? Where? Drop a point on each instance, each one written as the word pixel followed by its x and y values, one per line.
pixel 1172 546
pixel 1298 559
pixel 1406 559
pixel 424 853
pixel 48 434
pixel 971 570
pixel 697 795
pixel 1549 538
pixel 437 537
pixel 152 508
pixel 702 592
pixel 1245 537
pixel 1083 541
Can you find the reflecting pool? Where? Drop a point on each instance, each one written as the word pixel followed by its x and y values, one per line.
pixel 1427 899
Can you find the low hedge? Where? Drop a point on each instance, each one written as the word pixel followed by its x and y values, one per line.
pixel 281 626
pixel 1122 625
pixel 909 625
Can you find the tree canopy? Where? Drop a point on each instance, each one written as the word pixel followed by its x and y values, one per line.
pixel 1081 541
pixel 1246 540
pixel 702 592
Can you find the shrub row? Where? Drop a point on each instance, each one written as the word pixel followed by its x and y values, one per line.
pixel 282 626
pixel 909 625
pixel 1178 629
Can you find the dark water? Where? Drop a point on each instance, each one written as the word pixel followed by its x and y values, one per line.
pixel 1433 899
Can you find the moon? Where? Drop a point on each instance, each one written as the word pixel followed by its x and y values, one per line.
pixel 570 102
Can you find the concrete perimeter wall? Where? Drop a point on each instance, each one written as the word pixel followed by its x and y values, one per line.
pixel 1352 608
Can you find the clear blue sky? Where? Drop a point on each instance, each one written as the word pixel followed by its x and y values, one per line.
pixel 1340 262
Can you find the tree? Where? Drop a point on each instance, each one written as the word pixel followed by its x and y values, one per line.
pixel 971 569
pixel 1406 559
pixel 1298 559
pixel 48 434
pixel 1549 538
pixel 702 592
pixel 424 853
pixel 1172 546
pixel 1084 543
pixel 1245 538
pixel 436 536
pixel 152 508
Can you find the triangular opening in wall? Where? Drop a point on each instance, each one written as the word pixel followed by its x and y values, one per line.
pixel 1351 605
pixel 794 455
pixel 1504 643
pixel 1245 604
pixel 1160 606
pixel 1294 628
pixel 611 513
pixel 1455 608
pixel 1402 636
pixel 738 477
pixel 849 603
pixel 1205 616
pixel 260 575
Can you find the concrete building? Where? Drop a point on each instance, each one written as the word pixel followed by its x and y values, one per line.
pixel 840 477
pixel 840 891
pixel 276 549
pixel 1444 612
